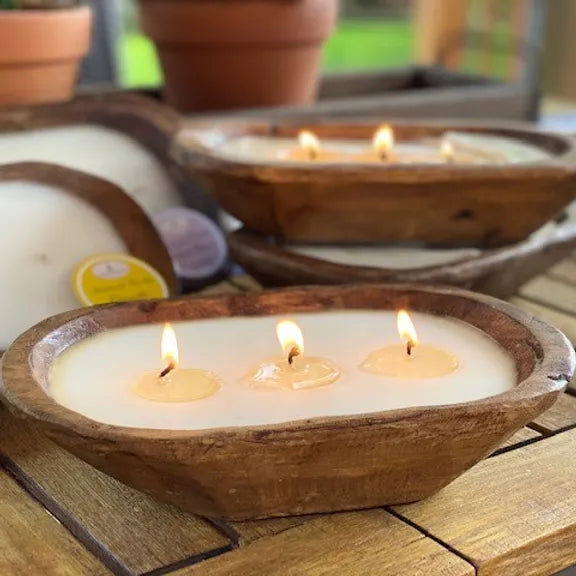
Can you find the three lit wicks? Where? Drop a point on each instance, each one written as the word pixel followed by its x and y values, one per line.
pixel 382 145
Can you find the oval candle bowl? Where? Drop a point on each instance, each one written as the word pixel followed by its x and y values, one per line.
pixel 444 204
pixel 127 218
pixel 495 271
pixel 145 120
pixel 315 465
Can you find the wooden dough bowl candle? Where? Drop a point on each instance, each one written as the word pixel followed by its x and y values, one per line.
pixel 341 456
pixel 52 218
pixel 121 137
pixel 339 200
pixel 495 271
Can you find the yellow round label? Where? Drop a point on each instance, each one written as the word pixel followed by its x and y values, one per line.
pixel 105 278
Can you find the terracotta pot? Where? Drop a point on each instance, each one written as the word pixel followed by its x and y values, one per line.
pixel 242 53
pixel 40 51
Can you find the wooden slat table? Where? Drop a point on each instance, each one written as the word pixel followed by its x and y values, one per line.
pixel 512 515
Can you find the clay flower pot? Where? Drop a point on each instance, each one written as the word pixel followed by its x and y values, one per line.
pixel 40 51
pixel 246 53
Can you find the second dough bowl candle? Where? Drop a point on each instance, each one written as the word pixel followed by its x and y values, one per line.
pixel 367 438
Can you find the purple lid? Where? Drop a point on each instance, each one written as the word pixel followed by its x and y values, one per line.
pixel 196 245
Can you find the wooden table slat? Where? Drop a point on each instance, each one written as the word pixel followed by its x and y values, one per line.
pixel 552 293
pixel 32 542
pixel 358 543
pixel 564 321
pixel 138 531
pixel 561 416
pixel 512 514
pixel 521 437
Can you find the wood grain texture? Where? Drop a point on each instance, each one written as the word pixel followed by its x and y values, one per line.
pixel 521 437
pixel 498 272
pixel 564 321
pixel 513 514
pixel 347 203
pixel 33 543
pixel 381 458
pixel 372 542
pixel 565 270
pixel 255 529
pixel 552 293
pixel 139 532
pixel 131 223
pixel 560 416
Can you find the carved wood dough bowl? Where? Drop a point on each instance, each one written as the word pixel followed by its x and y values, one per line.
pixel 315 465
pixel 495 271
pixel 124 214
pixel 482 205
pixel 143 119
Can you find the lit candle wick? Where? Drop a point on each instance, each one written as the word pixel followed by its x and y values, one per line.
pixel 310 144
pixel 407 331
pixel 383 143
pixel 294 351
pixel 409 347
pixel 169 348
pixel 447 151
pixel 168 369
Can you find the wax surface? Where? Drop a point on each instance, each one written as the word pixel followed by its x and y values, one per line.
pixel 395 258
pixel 305 372
pixel 176 386
pixel 45 233
pixel 467 147
pixel 101 152
pixel 94 376
pixel 424 362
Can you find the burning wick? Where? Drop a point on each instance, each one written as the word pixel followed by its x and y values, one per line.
pixel 169 347
pixel 291 339
pixel 383 143
pixel 447 151
pixel 168 369
pixel 294 351
pixel 310 144
pixel 407 331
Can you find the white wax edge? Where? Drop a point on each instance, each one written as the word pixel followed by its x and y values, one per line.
pixel 256 149
pixel 514 150
pixel 394 258
pixel 101 152
pixel 93 377
pixel 45 232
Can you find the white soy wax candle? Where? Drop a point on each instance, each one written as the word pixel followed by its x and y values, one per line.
pixel 392 257
pixel 101 152
pixel 45 233
pixel 96 377
pixel 383 148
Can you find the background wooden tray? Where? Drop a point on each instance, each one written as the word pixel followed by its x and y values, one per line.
pixel 498 271
pixel 479 205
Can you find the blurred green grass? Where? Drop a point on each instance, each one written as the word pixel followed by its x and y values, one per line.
pixel 356 45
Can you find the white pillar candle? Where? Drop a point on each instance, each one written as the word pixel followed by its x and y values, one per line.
pixel 44 233
pixel 99 151
pixel 95 377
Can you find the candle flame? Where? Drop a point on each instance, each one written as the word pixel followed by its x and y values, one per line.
pixel 290 338
pixel 383 142
pixel 309 143
pixel 169 346
pixel 447 151
pixel 407 331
